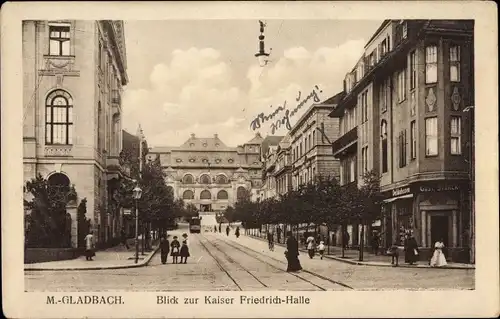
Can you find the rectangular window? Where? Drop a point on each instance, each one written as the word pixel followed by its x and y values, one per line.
pixel 383 91
pixel 413 70
pixel 402 85
pixel 413 138
pixel 456 130
pixel 364 159
pixel 384 156
pixel 431 64
pixel 59 40
pixel 455 63
pixel 402 149
pixel 405 30
pixel 431 136
pixel 314 138
pixel 364 107
pixel 352 169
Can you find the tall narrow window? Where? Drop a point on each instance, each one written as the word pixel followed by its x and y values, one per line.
pixel 405 30
pixel 383 130
pixel 314 138
pixel 100 126
pixel 352 169
pixel 431 64
pixel 413 70
pixel 364 159
pixel 59 118
pixel 305 144
pixel 383 99
pixel 59 40
pixel 402 85
pixel 455 63
pixel 413 138
pixel 431 136
pixel 455 130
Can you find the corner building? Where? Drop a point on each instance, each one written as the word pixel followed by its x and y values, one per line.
pixel 207 173
pixel 405 115
pixel 73 78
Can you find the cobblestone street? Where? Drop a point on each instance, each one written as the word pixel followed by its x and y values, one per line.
pixel 220 262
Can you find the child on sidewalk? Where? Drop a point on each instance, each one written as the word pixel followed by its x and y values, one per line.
pixel 393 251
pixel 321 248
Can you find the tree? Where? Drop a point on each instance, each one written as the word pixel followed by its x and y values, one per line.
pixel 47 223
pixel 83 223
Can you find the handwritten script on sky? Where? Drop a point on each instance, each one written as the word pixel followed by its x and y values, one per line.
pixel 276 124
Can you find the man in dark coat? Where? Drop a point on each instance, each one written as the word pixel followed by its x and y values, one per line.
pixel 123 237
pixel 165 248
pixel 292 253
pixel 411 249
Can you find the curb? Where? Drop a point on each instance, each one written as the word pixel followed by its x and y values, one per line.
pixel 145 262
pixel 364 263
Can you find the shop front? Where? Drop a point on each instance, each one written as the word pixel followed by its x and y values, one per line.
pixel 431 211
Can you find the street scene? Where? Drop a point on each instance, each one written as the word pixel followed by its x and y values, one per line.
pixel 248 155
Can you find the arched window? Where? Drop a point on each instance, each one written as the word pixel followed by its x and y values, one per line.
pixel 188 179
pixel 188 195
pixel 221 179
pixel 58 184
pixel 205 179
pixel 222 194
pixel 59 118
pixel 383 135
pixel 241 192
pixel 205 195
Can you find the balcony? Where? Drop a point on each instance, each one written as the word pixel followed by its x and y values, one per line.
pixel 345 141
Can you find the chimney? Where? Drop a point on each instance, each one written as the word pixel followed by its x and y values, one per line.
pixel 216 135
pixel 192 135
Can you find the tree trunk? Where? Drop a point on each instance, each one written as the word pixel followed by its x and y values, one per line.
pixel 362 241
pixel 342 238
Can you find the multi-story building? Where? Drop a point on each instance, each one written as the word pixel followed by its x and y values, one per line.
pixel 310 144
pixel 403 116
pixel 282 171
pixel 74 73
pixel 209 174
pixel 269 158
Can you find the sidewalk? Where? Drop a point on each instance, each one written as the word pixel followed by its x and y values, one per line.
pixel 112 258
pixel 370 259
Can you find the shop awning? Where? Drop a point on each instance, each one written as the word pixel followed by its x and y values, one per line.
pixel 396 198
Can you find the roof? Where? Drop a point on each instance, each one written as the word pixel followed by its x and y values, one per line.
pixel 257 139
pixel 270 140
pixel 382 26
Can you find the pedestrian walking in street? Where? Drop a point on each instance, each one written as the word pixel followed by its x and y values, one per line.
pixel 227 230
pixel 292 253
pixel 215 229
pixel 393 251
pixel 310 246
pixel 174 252
pixel 164 248
pixel 345 240
pixel 375 243
pixel 438 258
pixel 270 240
pixel 321 249
pixel 237 232
pixel 89 246
pixel 123 237
pixel 184 252
pixel 411 249
pixel 220 228
pixel 278 234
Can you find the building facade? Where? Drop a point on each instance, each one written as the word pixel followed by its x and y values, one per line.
pixel 209 174
pixel 269 158
pixel 74 73
pixel 310 144
pixel 403 116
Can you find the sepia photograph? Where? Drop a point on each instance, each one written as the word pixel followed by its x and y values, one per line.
pixel 259 158
pixel 264 154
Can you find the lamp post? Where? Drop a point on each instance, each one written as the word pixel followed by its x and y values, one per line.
pixel 137 195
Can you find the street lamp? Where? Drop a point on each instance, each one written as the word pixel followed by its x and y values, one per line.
pixel 137 193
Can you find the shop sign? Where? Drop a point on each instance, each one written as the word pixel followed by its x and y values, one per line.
pixel 401 191
pixel 443 188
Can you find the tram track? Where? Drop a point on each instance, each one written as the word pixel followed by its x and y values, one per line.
pixel 230 260
pixel 282 262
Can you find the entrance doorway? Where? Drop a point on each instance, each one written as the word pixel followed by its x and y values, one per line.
pixel 440 229
pixel 206 207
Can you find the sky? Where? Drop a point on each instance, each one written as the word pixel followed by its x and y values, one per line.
pixel 201 76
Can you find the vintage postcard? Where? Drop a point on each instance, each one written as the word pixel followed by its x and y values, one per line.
pixel 249 159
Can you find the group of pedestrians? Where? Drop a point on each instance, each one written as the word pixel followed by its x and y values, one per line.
pixel 412 252
pixel 175 248
pixel 228 230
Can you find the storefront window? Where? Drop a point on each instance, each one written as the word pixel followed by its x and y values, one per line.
pixel 405 219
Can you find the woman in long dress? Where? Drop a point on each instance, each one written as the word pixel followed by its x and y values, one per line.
pixel 310 246
pixel 174 251
pixel 292 253
pixel 89 246
pixel 438 258
pixel 411 249
pixel 184 252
